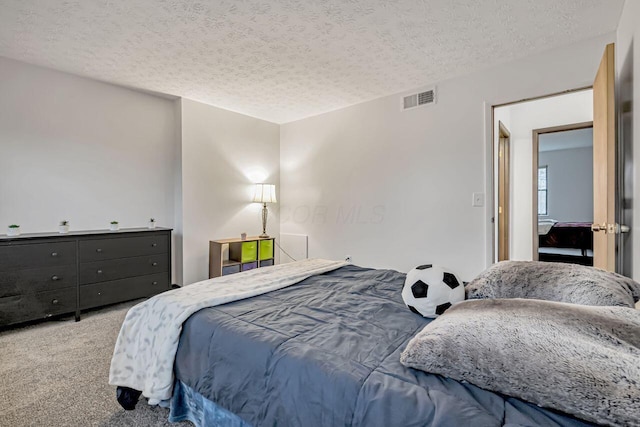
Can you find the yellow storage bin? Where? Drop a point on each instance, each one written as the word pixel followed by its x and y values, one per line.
pixel 244 251
pixel 266 249
pixel 249 251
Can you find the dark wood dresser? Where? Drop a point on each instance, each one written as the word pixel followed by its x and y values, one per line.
pixel 46 274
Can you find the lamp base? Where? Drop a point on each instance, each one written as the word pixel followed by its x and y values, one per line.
pixel 264 221
pixel 264 236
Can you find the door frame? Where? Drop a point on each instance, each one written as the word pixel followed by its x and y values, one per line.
pixel 492 171
pixel 504 191
pixel 535 163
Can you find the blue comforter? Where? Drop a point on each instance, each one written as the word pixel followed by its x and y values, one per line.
pixel 326 352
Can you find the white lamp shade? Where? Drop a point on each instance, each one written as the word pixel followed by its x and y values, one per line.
pixel 265 193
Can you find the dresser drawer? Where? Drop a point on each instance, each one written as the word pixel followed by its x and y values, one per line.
pixel 113 269
pixel 36 280
pixel 23 256
pixel 42 305
pixel 122 247
pixel 99 294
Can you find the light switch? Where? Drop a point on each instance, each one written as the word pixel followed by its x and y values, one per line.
pixel 478 200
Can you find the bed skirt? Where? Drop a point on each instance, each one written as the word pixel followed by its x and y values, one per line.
pixel 187 404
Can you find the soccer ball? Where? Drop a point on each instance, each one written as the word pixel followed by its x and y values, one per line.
pixel 430 289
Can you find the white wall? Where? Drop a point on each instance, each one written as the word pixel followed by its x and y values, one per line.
pixel 90 152
pixel 223 154
pixel 575 107
pixel 569 183
pixel 628 68
pixel 77 149
pixel 394 189
pixel 178 228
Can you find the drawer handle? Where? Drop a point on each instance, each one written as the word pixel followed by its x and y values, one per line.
pixel 54 278
pixel 99 271
pixel 153 245
pixel 155 264
pixel 54 302
pixel 54 253
pixel 99 250
pixel 99 293
pixel 48 315
pixel 154 283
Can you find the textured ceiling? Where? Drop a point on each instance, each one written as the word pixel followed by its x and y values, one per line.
pixel 282 60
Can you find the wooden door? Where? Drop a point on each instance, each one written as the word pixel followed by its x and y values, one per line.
pixel 604 164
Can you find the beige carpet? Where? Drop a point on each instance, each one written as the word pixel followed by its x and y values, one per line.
pixel 56 374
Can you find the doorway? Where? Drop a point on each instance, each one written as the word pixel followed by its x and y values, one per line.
pixel 563 194
pixel 608 183
pixel 514 228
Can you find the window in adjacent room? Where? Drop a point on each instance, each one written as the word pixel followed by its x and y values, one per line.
pixel 542 190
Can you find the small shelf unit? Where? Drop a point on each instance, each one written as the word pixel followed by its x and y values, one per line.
pixel 228 256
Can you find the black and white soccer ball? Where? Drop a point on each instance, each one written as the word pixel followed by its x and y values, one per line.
pixel 431 289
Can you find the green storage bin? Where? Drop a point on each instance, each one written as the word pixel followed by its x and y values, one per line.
pixel 266 249
pixel 244 251
pixel 249 251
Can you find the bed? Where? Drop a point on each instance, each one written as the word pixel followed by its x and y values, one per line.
pixel 326 352
pixel 565 242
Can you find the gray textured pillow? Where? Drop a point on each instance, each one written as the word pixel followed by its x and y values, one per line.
pixel 578 359
pixel 572 283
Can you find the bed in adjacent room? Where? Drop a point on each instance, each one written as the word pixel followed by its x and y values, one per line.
pixel 324 352
pixel 565 242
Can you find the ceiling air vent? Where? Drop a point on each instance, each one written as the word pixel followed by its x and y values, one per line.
pixel 419 99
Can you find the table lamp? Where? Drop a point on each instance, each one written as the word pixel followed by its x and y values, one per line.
pixel 265 193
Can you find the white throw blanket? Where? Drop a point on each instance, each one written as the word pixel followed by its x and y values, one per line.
pixel 146 347
pixel 545 225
